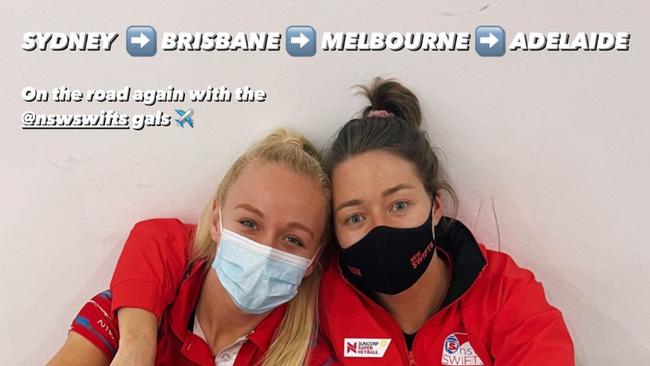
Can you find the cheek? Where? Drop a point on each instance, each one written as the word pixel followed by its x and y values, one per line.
pixel 341 236
pixel 347 237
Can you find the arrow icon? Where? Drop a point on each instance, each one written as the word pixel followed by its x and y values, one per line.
pixel 142 40
pixel 491 40
pixel 302 40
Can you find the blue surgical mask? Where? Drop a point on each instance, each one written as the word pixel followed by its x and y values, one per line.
pixel 257 278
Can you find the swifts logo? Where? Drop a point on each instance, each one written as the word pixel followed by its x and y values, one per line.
pixel 365 347
pixel 419 257
pixel 458 351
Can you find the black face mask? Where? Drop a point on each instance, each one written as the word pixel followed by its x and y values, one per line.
pixel 389 260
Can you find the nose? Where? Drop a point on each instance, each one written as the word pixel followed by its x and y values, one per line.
pixel 375 218
pixel 268 239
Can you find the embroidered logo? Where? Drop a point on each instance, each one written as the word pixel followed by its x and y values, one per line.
pixel 419 257
pixel 354 270
pixel 458 351
pixel 365 347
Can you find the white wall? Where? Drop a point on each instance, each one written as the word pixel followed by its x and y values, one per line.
pixel 554 145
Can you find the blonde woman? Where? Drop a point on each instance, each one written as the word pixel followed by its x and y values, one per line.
pixel 250 273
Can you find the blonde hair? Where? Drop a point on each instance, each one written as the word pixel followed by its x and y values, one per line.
pixel 298 329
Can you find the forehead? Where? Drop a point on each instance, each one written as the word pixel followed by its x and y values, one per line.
pixel 371 173
pixel 275 189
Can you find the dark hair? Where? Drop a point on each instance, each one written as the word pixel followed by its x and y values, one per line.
pixel 397 132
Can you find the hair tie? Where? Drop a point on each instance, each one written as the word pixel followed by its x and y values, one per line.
pixel 382 113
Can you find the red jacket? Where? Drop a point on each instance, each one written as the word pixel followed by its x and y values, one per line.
pixel 152 274
pixel 495 313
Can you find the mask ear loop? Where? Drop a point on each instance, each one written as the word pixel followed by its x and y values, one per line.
pixel 220 221
pixel 432 213
pixel 220 228
pixel 318 252
pixel 433 229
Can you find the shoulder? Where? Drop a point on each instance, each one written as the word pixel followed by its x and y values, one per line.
pixel 501 281
pixel 502 267
pixel 170 229
pixel 161 234
pixel 508 300
pixel 164 225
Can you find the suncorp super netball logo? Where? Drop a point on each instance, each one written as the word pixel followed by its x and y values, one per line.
pixel 365 347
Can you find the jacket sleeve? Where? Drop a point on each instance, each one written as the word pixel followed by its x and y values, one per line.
pixel 527 330
pixel 151 265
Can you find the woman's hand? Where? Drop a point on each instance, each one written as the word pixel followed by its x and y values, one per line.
pixel 138 337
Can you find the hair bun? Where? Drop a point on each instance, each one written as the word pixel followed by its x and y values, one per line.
pixel 286 136
pixel 391 96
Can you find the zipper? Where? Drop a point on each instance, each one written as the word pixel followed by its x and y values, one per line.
pixel 411 359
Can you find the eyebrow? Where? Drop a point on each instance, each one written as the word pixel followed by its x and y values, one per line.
pixel 296 225
pixel 250 208
pixel 347 204
pixel 397 188
pixel 385 193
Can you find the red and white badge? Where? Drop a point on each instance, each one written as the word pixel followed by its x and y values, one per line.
pixel 458 351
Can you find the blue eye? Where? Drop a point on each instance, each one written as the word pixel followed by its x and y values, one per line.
pixel 249 224
pixel 295 241
pixel 399 206
pixel 354 219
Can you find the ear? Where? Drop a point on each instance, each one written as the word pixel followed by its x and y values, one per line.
pixel 311 268
pixel 215 233
pixel 437 210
